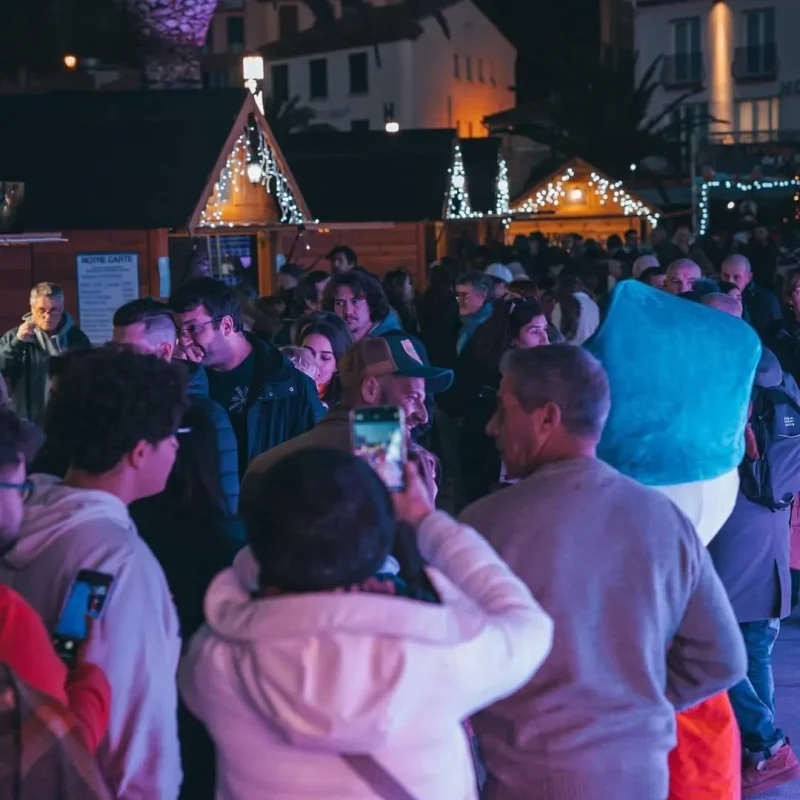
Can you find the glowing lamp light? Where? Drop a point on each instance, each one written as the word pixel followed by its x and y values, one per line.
pixel 254 172
pixel 458 181
pixel 731 205
pixel 392 127
pixel 576 195
pixel 70 61
pixel 502 186
pixel 253 68
pixel 633 167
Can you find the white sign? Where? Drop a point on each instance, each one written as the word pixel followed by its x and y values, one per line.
pixel 105 282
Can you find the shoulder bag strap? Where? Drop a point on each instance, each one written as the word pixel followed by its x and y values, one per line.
pixel 377 778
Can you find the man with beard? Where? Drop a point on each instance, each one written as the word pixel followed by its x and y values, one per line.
pixel 267 399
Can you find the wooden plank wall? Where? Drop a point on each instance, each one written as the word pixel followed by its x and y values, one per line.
pixel 379 249
pixel 23 266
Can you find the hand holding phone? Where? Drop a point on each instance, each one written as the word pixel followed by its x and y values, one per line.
pixel 413 504
pixel 86 600
pixel 378 436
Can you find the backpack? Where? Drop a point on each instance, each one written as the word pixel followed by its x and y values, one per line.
pixel 773 479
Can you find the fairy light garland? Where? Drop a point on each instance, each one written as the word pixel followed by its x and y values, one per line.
pixel 550 195
pixel 458 205
pixel 556 191
pixel 234 172
pixel 631 207
pixel 740 186
pixel 503 189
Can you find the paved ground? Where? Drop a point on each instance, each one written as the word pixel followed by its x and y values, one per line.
pixel 787 679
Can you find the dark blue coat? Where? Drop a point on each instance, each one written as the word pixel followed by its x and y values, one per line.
pixel 751 552
pixel 227 449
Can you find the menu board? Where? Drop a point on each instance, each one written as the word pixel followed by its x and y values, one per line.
pixel 105 282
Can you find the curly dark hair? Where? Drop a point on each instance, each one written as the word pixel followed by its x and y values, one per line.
pixel 108 399
pixel 218 299
pixel 361 284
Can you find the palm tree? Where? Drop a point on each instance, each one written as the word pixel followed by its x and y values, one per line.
pixel 288 116
pixel 606 119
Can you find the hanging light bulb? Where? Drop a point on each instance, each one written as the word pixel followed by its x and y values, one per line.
pixel 254 172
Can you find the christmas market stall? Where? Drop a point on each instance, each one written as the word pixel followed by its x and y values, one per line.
pixel 115 195
pixel 577 198
pixel 390 197
pixel 747 181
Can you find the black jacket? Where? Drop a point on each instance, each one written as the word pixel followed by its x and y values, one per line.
pixel 227 449
pixel 25 365
pixel 282 403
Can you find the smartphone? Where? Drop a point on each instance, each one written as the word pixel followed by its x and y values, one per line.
pixel 378 435
pixel 87 597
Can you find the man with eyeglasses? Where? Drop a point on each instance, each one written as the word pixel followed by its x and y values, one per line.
pixel 267 399
pixel 148 327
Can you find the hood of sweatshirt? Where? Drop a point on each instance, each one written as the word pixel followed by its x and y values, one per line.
pixel 54 508
pixel 331 672
pixel 67 324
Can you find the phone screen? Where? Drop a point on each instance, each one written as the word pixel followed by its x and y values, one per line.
pixel 379 438
pixel 87 597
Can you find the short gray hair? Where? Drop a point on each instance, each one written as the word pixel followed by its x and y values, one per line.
pixel 566 375
pixel 739 259
pixel 684 262
pixel 47 289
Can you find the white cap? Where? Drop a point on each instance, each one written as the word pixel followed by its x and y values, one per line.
pixel 644 262
pixel 502 273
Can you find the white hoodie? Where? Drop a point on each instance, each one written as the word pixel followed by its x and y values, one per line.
pixel 286 685
pixel 136 641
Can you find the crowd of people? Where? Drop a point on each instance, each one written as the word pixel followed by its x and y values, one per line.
pixel 524 619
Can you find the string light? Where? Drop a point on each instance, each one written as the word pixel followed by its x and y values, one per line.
pixel 550 195
pixel 237 167
pixel 458 205
pixel 629 205
pixel 739 186
pixel 503 189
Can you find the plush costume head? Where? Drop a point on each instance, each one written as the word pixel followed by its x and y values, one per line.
pixel 681 376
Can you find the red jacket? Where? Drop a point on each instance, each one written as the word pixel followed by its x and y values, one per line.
pixel 706 764
pixel 26 647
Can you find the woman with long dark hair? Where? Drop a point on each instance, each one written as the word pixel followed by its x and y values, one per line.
pixel 327 337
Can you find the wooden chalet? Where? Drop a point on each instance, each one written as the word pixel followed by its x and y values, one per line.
pixel 578 198
pixel 398 200
pixel 114 195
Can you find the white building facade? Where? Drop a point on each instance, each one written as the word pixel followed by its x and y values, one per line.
pixel 418 79
pixel 740 56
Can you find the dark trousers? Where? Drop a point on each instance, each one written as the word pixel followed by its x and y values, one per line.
pixel 753 699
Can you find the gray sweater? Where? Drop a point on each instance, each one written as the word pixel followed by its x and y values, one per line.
pixel 642 627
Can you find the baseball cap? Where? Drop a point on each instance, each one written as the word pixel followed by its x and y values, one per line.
pixel 500 272
pixel 392 355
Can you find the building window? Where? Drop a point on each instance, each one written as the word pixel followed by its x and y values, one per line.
pixel 280 83
pixel 480 71
pixel 359 125
pixel 759 43
pixel 359 75
pixel 234 27
pixel 318 73
pixel 688 53
pixel 456 68
pixel 758 120
pixel 468 68
pixel 288 20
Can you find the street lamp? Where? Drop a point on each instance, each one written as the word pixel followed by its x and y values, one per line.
pixel 392 127
pixel 70 61
pixel 253 74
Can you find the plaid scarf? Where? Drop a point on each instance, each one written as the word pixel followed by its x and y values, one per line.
pixel 43 756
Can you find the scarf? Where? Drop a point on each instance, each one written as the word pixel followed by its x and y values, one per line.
pixel 470 323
